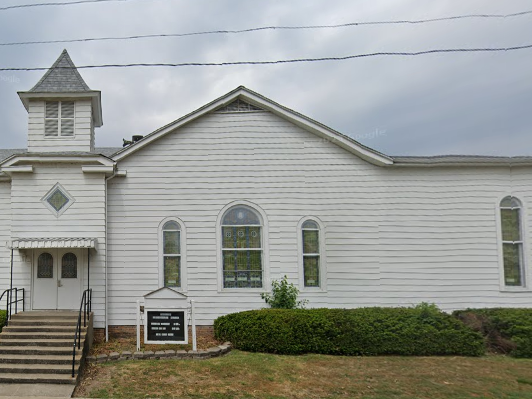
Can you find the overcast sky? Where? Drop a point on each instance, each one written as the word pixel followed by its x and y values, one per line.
pixel 468 103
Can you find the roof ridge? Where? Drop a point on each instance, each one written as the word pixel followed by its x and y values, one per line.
pixel 61 78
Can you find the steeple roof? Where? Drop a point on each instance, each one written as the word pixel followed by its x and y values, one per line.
pixel 62 77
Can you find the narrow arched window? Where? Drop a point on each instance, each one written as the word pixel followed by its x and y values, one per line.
pixel 45 266
pixel 512 241
pixel 242 248
pixel 69 266
pixel 311 253
pixel 172 254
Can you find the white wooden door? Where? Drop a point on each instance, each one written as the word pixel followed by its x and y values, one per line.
pixel 57 279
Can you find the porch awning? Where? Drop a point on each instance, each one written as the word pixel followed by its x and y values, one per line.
pixel 30 243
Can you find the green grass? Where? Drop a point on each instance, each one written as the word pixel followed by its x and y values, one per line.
pixel 253 375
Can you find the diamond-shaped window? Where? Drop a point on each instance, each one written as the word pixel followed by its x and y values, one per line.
pixel 58 200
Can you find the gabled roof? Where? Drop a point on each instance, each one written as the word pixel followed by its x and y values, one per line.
pixel 62 77
pixel 266 104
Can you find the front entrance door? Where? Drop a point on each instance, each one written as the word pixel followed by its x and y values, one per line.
pixel 57 279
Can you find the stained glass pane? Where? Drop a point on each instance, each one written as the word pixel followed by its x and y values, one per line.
pixel 69 266
pixel 510 225
pixel 512 264
pixel 171 242
pixel 45 266
pixel 171 226
pixel 241 237
pixel 311 243
pixel 172 271
pixel 310 224
pixel 241 215
pixel 242 269
pixel 57 200
pixel 311 266
pixel 510 202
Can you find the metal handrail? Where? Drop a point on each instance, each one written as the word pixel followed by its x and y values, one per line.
pixel 86 306
pixel 10 301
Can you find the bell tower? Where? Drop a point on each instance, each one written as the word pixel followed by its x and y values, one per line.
pixel 62 110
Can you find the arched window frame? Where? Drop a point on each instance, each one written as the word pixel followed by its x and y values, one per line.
pixel 265 248
pixel 523 242
pixel 323 256
pixel 183 255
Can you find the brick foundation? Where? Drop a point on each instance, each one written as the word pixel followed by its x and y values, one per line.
pixel 131 332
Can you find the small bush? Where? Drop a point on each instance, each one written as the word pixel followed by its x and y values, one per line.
pixel 422 331
pixel 283 296
pixel 2 319
pixel 506 330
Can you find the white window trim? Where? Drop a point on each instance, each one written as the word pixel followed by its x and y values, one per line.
pixel 266 286
pixel 322 254
pixel 60 110
pixel 70 202
pixel 183 246
pixel 524 240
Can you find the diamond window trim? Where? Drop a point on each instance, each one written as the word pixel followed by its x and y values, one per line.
pixel 58 200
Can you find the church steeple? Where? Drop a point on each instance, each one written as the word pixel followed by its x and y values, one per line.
pixel 62 110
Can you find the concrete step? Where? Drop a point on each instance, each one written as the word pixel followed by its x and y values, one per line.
pixel 35 315
pixel 37 368
pixel 9 335
pixel 39 359
pixel 21 378
pixel 37 350
pixel 43 329
pixel 60 343
pixel 43 322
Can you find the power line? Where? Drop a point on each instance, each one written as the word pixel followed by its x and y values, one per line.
pixel 266 28
pixel 58 4
pixel 288 61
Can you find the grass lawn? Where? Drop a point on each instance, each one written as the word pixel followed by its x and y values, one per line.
pixel 255 375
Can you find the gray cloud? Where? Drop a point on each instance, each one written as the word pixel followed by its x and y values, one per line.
pixel 438 104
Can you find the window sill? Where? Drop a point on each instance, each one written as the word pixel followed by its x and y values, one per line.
pixel 515 289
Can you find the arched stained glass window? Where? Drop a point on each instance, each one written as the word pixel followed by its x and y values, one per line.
pixel 242 248
pixel 69 266
pixel 311 253
pixel 45 266
pixel 512 241
pixel 172 254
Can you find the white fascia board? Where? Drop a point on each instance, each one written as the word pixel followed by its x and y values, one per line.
pixel 17 169
pixel 94 95
pixel 462 164
pixel 98 169
pixel 304 122
pixel 57 159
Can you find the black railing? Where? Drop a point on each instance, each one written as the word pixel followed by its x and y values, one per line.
pixel 12 299
pixel 86 307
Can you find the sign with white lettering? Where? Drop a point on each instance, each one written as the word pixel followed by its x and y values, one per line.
pixel 165 326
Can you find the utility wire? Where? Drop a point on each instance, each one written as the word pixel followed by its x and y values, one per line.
pixel 266 28
pixel 288 61
pixel 58 4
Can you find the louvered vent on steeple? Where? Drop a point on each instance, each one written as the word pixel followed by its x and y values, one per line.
pixel 239 106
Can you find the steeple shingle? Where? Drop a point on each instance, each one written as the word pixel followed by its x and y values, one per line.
pixel 62 77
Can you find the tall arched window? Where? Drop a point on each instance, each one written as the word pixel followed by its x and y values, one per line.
pixel 310 232
pixel 171 255
pixel 512 242
pixel 242 248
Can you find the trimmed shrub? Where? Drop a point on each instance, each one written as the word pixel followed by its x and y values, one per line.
pixel 3 317
pixel 420 331
pixel 506 330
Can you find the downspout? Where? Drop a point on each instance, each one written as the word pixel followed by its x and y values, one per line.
pixel 105 262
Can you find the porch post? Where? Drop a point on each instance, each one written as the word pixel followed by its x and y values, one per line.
pixel 10 288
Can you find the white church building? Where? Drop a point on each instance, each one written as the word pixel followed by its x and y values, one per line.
pixel 242 191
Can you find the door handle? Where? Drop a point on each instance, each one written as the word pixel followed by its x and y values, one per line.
pixel 59 283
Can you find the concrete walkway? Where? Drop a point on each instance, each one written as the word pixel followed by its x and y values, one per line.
pixel 49 391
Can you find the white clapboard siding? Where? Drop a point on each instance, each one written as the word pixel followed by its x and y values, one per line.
pixel 85 218
pixel 83 139
pixel 393 236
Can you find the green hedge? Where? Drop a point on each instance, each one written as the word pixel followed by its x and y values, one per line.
pixel 2 319
pixel 366 331
pixel 506 330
